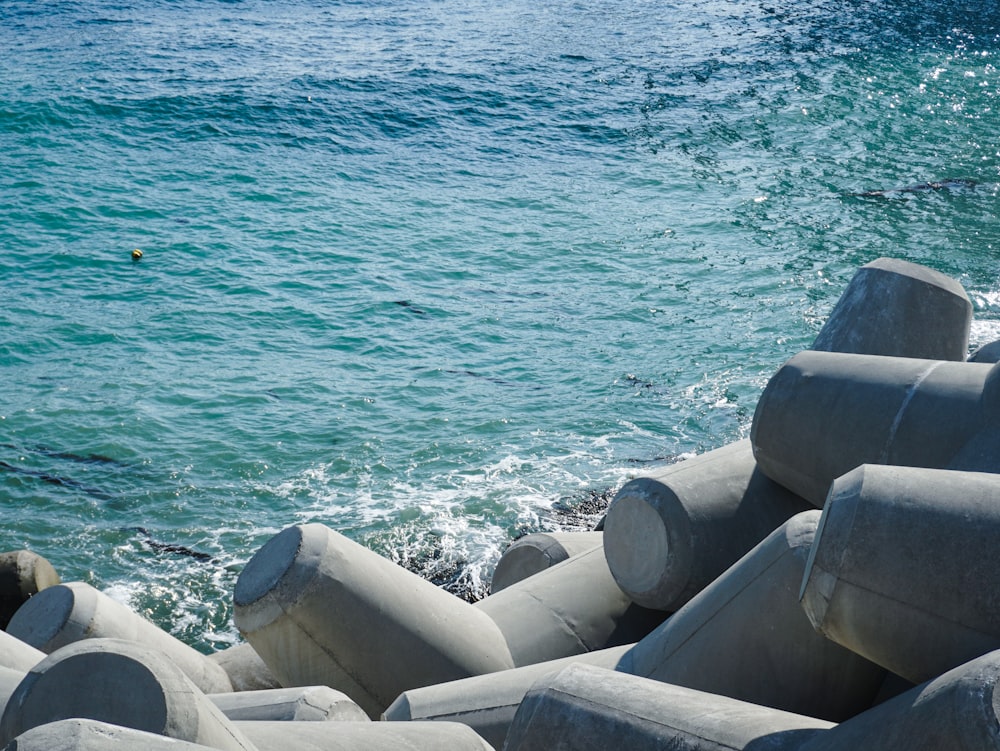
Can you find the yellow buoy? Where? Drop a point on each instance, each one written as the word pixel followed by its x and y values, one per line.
pixel 136 254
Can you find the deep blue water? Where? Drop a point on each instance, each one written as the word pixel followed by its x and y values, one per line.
pixel 428 272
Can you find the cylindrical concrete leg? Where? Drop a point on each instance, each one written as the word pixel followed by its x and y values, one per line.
pixel 92 735
pixel 66 613
pixel 745 636
pixel 669 535
pixel 299 703
pixel 487 703
pixel 957 711
pixel 571 608
pixel 22 575
pixel 9 680
pixel 823 414
pixel 17 654
pixel 370 736
pixel 246 670
pixel 584 708
pixel 899 309
pixel 323 610
pixel 903 569
pixel 123 683
pixel 539 551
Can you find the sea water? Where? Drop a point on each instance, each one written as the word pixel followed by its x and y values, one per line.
pixel 437 273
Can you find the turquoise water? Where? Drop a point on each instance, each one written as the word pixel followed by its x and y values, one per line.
pixel 436 273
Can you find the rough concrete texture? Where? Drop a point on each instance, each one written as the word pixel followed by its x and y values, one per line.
pixel 246 670
pixel 371 736
pixel 91 735
pixel 487 703
pixel 122 683
pixel 899 309
pixel 66 613
pixel 903 569
pixel 745 636
pixel 668 535
pixel 18 655
pixel 823 414
pixel 299 703
pixel 22 574
pixel 323 610
pixel 574 607
pixel 585 708
pixel 536 552
pixel 958 711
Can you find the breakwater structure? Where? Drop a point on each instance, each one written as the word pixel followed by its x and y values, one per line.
pixel 825 585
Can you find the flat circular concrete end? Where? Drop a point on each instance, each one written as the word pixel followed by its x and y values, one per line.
pixel 100 679
pixel 637 546
pixel 43 617
pixel 525 557
pixel 268 565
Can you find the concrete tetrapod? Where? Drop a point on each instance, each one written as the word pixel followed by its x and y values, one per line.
pixel 487 703
pixel 246 670
pixel 368 736
pixel 123 683
pixel 92 735
pixel 298 704
pixel 670 534
pixel 574 607
pixel 321 609
pixel 957 711
pixel 823 414
pixel 17 654
pixel 899 309
pixel 585 708
pixel 66 613
pixel 536 552
pixel 22 575
pixel 903 571
pixel 745 636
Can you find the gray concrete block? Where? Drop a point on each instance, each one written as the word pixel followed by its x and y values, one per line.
pixel 122 683
pixel 671 533
pixel 899 309
pixel 574 607
pixel 823 414
pixel 585 708
pixel 745 636
pixel 299 704
pixel 22 574
pixel 487 703
pixel 323 610
pixel 9 680
pixel 957 711
pixel 91 735
pixel 987 353
pixel 65 613
pixel 355 736
pixel 903 568
pixel 17 654
pixel 536 552
pixel 246 670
